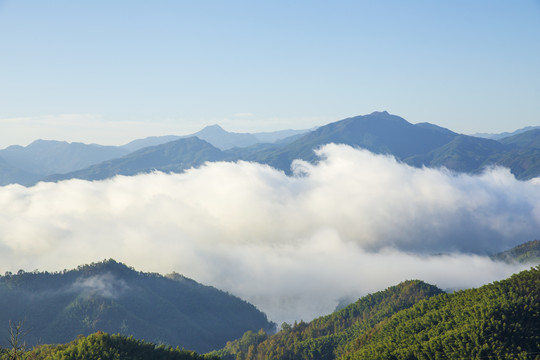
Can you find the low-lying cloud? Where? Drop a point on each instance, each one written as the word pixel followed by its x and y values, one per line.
pixel 103 285
pixel 353 223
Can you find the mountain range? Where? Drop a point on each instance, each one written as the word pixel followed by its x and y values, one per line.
pixel 419 145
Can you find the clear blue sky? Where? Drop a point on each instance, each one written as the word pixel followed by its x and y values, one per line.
pixel 112 71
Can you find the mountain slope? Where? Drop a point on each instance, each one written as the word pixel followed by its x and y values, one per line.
pixel 463 154
pixel 218 137
pixel 378 132
pixel 174 156
pixel 497 321
pixel 504 135
pixel 9 174
pixel 414 320
pixel 111 297
pixel 328 336
pixel 45 157
pixel 528 252
pixel 528 139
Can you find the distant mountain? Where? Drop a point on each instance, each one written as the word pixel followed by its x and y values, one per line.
pixel 527 139
pixel 413 320
pixel 174 156
pixel 527 253
pixel 463 154
pixel 503 135
pixel 113 298
pixel 419 145
pixel 274 136
pixel 10 174
pixel 46 157
pixel 218 137
pixel 149 141
pixel 379 132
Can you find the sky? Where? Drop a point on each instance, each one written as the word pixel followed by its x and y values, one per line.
pixel 110 72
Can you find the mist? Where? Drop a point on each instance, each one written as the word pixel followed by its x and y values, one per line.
pixel 294 246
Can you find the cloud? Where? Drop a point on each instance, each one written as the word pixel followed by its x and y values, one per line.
pixel 104 285
pixel 354 223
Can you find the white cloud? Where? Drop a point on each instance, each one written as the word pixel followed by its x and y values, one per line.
pixel 354 223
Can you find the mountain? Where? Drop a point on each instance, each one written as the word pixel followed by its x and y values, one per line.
pixel 326 337
pixel 149 141
pixel 218 137
pixel 274 136
pixel 10 174
pixel 500 136
pixel 379 132
pixel 528 253
pixel 174 156
pixel 413 320
pixel 105 347
pixel 46 157
pixel 114 298
pixel 463 154
pixel 419 145
pixel 527 139
pixel 496 321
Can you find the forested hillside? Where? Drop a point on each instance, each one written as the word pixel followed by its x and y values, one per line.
pixel 111 297
pixel 329 336
pixel 414 320
pixel 528 253
pixel 497 321
pixel 103 346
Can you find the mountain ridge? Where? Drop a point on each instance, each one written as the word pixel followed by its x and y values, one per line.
pixel 114 298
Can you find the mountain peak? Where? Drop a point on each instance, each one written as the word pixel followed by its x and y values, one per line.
pixel 213 128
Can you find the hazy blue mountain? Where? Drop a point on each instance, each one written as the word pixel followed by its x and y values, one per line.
pixel 9 174
pixel 114 298
pixel 223 140
pixel 46 157
pixel 438 128
pixel 149 141
pixel 174 156
pixel 378 132
pixel 463 154
pixel 524 163
pixel 274 136
pixel 500 136
pixel 422 144
pixel 527 139
pixel 218 137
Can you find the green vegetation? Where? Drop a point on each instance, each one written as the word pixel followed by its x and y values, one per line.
pixel 497 321
pixel 414 320
pixel 527 253
pixel 111 297
pixel 329 336
pixel 102 346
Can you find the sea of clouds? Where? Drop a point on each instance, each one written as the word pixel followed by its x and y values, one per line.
pixel 294 246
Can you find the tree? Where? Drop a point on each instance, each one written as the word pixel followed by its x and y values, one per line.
pixel 16 342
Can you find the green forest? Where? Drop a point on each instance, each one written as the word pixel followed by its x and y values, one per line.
pixel 103 346
pixel 414 320
pixel 111 297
